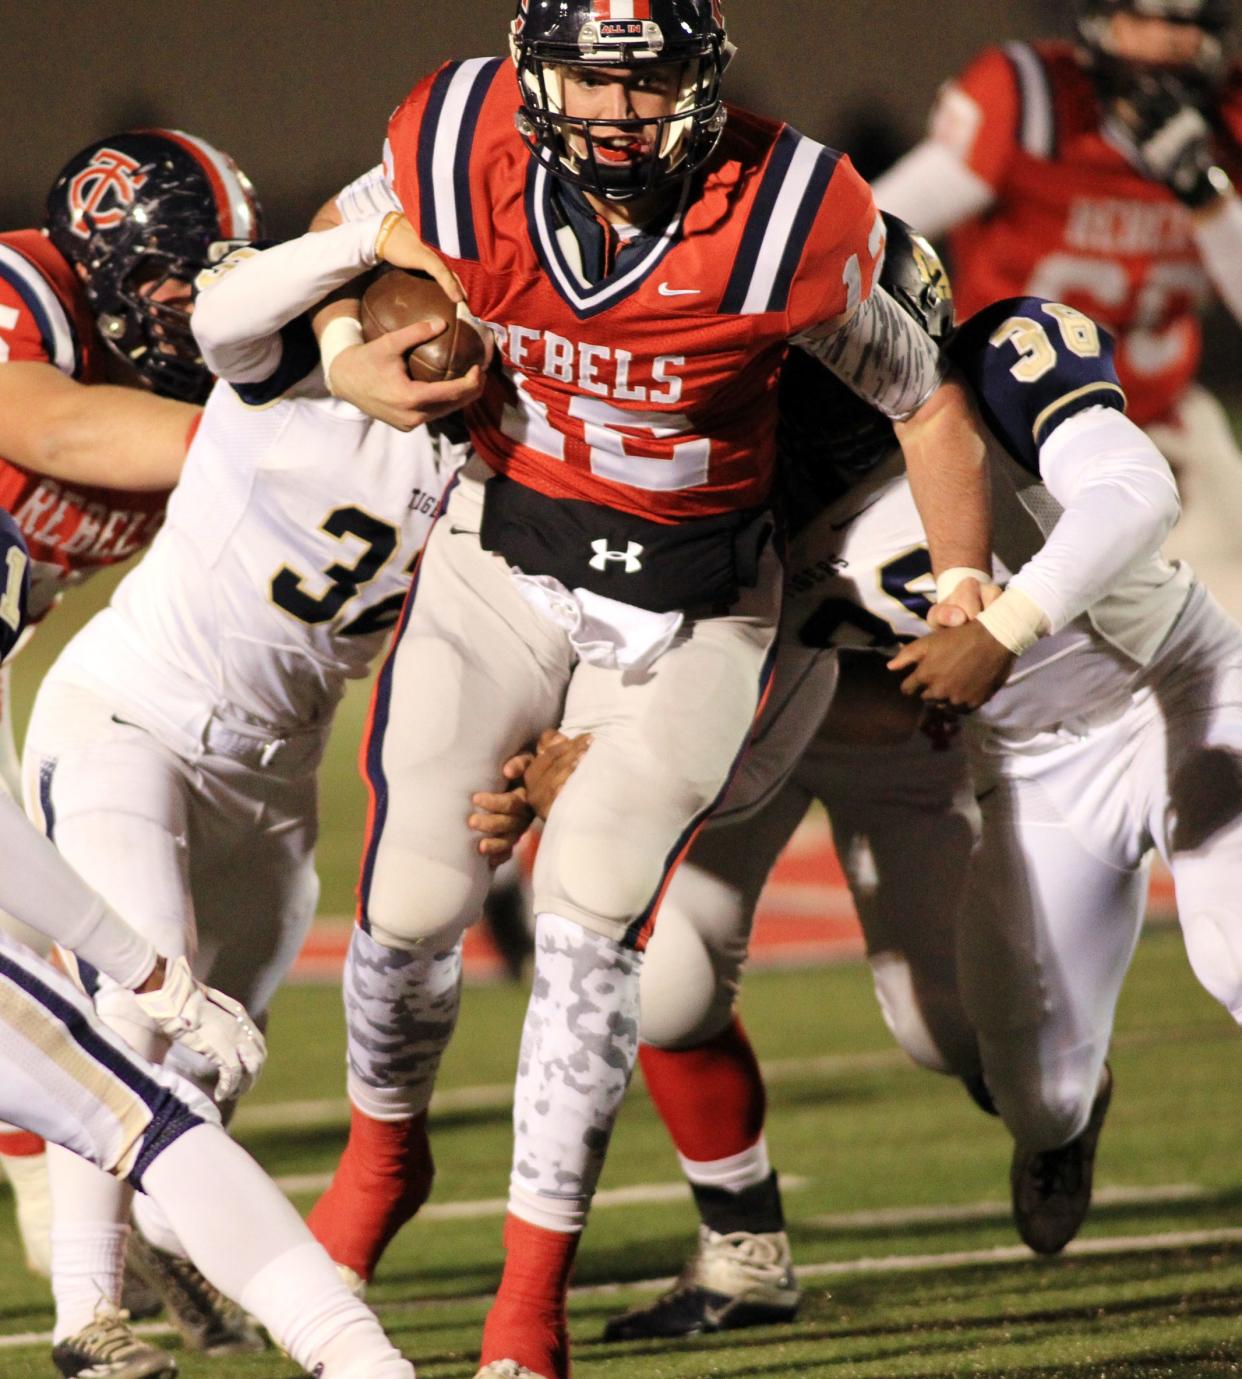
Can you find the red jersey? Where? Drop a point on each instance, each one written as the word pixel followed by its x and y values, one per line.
pixel 72 530
pixel 1073 220
pixel 652 390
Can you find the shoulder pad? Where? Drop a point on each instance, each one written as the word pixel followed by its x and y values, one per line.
pixel 14 583
pixel 1032 364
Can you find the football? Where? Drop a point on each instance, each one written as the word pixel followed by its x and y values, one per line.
pixel 399 298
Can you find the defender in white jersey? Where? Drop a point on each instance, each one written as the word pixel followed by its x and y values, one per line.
pixel 66 1077
pixel 173 746
pixel 1116 730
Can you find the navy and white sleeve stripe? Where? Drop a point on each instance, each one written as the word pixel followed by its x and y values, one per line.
pixel 60 341
pixel 445 139
pixel 793 187
pixel 1037 123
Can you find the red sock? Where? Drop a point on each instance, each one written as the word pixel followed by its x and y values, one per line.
pixel 20 1144
pixel 384 1176
pixel 711 1097
pixel 527 1322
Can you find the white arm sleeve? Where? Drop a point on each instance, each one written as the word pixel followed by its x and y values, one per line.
pixel 368 195
pixel 41 889
pixel 1120 502
pixel 239 313
pixel 932 189
pixel 1219 238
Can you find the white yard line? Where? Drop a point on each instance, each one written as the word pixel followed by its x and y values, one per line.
pixel 281 1115
pixel 867 1264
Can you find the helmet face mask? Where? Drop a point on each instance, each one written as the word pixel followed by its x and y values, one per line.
pixel 551 39
pixel 138 216
pixel 1119 75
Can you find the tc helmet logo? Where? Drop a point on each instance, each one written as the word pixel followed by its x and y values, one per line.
pixel 633 549
pixel 101 194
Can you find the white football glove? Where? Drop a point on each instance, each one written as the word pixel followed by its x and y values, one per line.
pixel 210 1023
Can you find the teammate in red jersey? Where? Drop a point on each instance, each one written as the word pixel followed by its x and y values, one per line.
pixel 99 381
pixel 1099 174
pixel 642 256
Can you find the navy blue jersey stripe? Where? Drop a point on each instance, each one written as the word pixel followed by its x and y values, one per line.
pixel 299 353
pixel 158 1099
pixel 429 228
pixel 468 245
pixel 825 166
pixel 47 769
pixel 46 334
pixel 758 221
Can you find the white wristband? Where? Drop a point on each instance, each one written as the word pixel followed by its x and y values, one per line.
pixel 339 334
pixel 1015 620
pixel 951 578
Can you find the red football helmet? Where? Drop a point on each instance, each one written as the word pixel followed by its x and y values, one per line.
pixel 549 35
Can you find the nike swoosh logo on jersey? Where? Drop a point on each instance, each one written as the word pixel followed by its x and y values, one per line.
pixel 666 291
pixel 854 516
pixel 462 531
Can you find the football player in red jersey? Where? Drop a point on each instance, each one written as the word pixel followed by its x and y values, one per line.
pixel 99 384
pixel 1099 174
pixel 642 256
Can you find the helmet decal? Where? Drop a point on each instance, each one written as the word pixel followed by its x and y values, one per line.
pixel 101 194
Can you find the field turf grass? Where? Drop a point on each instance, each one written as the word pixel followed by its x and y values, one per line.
pixel 893 1296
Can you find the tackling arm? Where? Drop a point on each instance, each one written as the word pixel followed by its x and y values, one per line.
pixel 97 434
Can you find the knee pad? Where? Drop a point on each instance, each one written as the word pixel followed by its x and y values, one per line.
pixel 429 909
pixel 1045 1110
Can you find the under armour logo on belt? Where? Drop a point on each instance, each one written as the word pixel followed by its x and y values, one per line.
pixel 633 549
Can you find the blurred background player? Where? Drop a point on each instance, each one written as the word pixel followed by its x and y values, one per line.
pixel 99 384
pixel 1098 173
pixel 1119 733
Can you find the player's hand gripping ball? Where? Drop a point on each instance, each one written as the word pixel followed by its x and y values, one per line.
pixel 399 298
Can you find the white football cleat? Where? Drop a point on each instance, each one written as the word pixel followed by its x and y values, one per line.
pixel 507 1369
pixel 734 1280
pixel 106 1348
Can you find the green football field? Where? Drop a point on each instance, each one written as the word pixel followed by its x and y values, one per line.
pixel 895 1194
pixel 895 1185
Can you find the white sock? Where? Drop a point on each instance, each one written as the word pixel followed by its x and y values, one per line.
pixel 32 1194
pixel 250 1242
pixel 735 1172
pixel 88 1263
pixel 90 1215
pixel 578 1047
pixel 302 1300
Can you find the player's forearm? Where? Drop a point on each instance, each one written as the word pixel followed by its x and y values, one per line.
pixel 368 195
pixel 947 465
pixel 1120 502
pixel 120 438
pixel 47 894
pixel 932 189
pixel 1218 234
pixel 238 317
pixel 881 353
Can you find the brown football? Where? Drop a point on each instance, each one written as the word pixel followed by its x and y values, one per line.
pixel 399 298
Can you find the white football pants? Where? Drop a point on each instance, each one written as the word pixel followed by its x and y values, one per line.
pixel 1059 884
